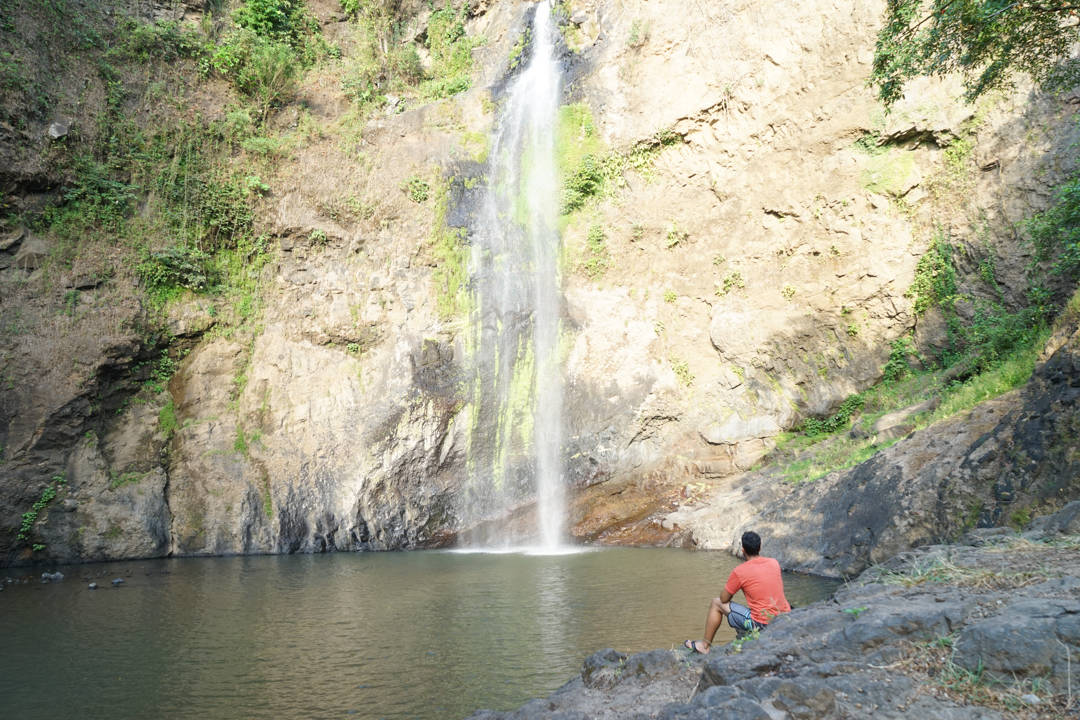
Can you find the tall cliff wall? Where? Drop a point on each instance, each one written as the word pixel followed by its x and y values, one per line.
pixel 760 232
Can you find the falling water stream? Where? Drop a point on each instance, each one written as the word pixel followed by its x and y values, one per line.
pixel 518 397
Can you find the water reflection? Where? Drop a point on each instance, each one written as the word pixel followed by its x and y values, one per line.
pixel 553 613
pixel 396 635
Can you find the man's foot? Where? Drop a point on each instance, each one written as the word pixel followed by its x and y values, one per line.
pixel 696 645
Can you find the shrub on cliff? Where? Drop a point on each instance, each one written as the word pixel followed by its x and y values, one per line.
pixel 265 55
pixel 266 71
pixel 385 60
pixel 283 21
pixel 1055 232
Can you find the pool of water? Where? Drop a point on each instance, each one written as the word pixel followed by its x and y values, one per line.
pixel 370 635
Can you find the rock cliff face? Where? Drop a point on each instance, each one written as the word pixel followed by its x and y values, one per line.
pixel 994 464
pixel 755 271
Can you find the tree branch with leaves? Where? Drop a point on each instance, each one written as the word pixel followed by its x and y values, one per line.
pixel 988 41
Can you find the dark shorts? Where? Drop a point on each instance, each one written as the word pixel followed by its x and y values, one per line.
pixel 739 618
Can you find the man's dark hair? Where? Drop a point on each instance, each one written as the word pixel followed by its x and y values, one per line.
pixel 751 543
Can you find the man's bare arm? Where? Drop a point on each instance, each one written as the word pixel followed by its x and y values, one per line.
pixel 725 599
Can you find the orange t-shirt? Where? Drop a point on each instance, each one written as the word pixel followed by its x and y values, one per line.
pixel 763 587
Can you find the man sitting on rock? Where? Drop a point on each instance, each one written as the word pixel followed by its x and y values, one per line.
pixel 763 587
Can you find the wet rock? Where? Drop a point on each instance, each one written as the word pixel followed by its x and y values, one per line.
pixel 117 582
pixel 92 586
pixel 48 577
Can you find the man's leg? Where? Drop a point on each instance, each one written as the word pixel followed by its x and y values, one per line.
pixel 717 612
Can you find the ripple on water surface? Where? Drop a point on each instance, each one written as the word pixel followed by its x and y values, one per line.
pixel 396 635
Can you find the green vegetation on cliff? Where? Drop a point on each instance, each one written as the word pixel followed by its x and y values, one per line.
pixel 990 348
pixel 30 517
pixel 173 194
pixel 385 61
pixel 588 169
pixel 451 260
pixel 1056 233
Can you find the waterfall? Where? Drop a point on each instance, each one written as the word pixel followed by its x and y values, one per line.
pixel 517 395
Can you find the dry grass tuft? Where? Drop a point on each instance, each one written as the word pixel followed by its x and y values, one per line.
pixel 931 666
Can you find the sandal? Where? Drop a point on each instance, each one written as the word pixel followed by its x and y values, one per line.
pixel 692 645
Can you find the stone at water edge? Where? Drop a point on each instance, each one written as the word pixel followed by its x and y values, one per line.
pixel 92 586
pixel 117 582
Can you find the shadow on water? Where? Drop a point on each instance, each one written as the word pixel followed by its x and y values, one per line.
pixel 397 635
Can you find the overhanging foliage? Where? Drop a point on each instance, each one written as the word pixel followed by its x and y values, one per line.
pixel 989 41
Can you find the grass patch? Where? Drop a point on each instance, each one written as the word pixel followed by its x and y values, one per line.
pixel 938 570
pixel 30 517
pixel 931 664
pixel 598 259
pixel 681 370
pixel 417 189
pixel 588 169
pixel 869 142
pixel 732 280
pixel 451 53
pixel 448 246
pixel 242 442
pixel 822 445
pixel 837 421
pixel 989 353
pixel 117 481
pixel 1055 233
pixel 383 61
pixel 167 422
pixel 838 454
pixel 1009 373
pixel 887 173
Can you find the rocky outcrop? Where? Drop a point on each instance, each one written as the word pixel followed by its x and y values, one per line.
pixel 771 256
pixel 1001 462
pixel 976 630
